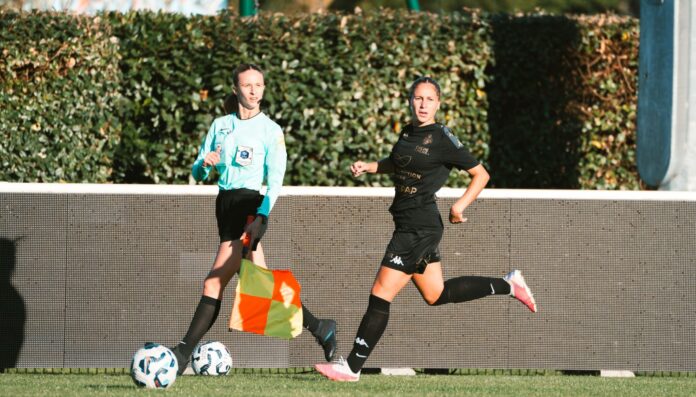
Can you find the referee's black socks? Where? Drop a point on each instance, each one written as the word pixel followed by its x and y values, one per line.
pixel 204 318
pixel 309 321
pixel 372 326
pixel 323 330
pixel 467 288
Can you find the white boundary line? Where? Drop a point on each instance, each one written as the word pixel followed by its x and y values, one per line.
pixel 211 190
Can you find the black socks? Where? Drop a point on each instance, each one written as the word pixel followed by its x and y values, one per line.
pixel 323 330
pixel 309 321
pixel 204 318
pixel 466 288
pixel 372 326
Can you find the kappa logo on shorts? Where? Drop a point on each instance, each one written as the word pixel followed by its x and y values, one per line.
pixel 361 341
pixel 396 259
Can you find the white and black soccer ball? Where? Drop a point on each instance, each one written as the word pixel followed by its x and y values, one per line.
pixel 154 366
pixel 211 358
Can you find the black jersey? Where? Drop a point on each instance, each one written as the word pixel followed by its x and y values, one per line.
pixel 423 158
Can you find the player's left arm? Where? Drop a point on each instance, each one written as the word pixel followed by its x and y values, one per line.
pixel 479 180
pixel 457 155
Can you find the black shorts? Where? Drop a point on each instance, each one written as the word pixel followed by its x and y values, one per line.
pixel 411 250
pixel 232 208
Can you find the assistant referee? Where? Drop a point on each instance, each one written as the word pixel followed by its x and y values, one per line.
pixel 246 147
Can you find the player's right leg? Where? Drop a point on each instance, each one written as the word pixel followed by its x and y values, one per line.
pixel 387 285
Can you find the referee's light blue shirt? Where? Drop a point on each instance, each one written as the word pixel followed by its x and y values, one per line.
pixel 251 151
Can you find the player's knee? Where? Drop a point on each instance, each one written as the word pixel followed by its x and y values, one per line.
pixel 378 288
pixel 382 292
pixel 436 299
pixel 431 299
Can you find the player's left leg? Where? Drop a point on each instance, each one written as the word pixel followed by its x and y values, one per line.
pixel 460 289
pixel 430 283
pixel 519 289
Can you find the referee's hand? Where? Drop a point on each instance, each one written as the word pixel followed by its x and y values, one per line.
pixel 253 231
pixel 212 158
pixel 456 216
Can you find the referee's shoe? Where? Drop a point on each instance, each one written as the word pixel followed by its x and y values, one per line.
pixel 181 359
pixel 326 337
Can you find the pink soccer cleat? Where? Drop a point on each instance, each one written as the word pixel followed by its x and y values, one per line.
pixel 338 371
pixel 520 290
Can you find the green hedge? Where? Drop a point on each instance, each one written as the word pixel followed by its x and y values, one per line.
pixel 563 102
pixel 608 103
pixel 59 79
pixel 543 101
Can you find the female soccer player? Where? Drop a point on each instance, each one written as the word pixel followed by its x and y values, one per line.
pixel 420 163
pixel 245 147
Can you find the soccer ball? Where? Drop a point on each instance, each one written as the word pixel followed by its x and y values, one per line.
pixel 211 358
pixel 154 366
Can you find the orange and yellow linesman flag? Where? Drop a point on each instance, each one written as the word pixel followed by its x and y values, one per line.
pixel 267 302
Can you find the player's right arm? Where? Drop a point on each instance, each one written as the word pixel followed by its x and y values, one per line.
pixel 207 157
pixel 384 166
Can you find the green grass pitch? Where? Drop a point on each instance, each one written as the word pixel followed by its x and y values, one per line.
pixel 312 384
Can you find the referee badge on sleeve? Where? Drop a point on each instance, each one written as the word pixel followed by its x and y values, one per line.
pixel 245 155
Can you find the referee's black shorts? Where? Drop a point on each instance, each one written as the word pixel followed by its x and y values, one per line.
pixel 232 207
pixel 411 250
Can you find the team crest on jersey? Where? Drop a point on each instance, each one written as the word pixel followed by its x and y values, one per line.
pixel 453 138
pixel 428 139
pixel 245 155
